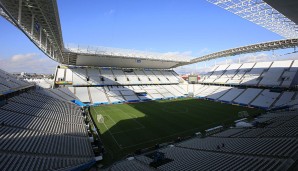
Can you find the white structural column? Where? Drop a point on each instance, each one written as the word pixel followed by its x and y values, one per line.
pixel 20 12
pixel 260 13
pixel 40 36
pixel 32 24
pixel 46 44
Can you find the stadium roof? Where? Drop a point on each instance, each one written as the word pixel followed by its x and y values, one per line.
pixel 288 8
pixel 39 21
pixel 261 13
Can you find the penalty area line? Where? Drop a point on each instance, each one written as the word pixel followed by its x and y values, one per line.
pixel 111 134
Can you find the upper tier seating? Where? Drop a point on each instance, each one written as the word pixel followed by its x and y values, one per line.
pixel 266 74
pixel 253 76
pixel 217 73
pixel 240 73
pixel 230 73
pixel 272 77
pixel 107 76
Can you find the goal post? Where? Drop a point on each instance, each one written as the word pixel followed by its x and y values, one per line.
pixel 100 118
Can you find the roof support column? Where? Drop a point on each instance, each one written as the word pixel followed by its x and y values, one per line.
pixel 46 44
pixel 50 52
pixel 40 36
pixel 20 12
pixel 32 24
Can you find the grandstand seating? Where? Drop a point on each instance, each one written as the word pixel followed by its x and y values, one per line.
pixel 265 99
pixel 107 76
pixel 119 94
pixel 253 76
pixel 266 74
pixel 208 91
pixel 285 98
pixel 262 98
pixel 40 132
pixel 273 147
pixel 236 80
pixel 98 95
pixel 82 94
pixel 93 75
pixel 45 114
pixel 230 73
pixel 219 92
pixel 231 95
pixel 248 96
pixel 272 77
pixel 217 73
pixel 10 83
pixel 79 76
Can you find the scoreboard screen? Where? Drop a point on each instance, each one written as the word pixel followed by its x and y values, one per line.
pixel 193 79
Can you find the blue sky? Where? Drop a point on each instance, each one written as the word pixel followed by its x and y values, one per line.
pixel 195 27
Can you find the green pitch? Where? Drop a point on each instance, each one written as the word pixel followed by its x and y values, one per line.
pixel 128 127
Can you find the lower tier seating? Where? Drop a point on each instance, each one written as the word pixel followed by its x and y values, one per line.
pixel 40 132
pixel 272 146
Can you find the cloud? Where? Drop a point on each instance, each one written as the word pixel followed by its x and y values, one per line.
pixel 203 51
pixel 22 57
pixel 30 63
pixel 110 12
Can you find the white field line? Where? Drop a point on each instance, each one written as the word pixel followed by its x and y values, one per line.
pixel 110 132
pixel 108 116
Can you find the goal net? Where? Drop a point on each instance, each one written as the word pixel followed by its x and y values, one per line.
pixel 100 118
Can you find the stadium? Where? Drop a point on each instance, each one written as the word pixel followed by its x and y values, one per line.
pixel 119 109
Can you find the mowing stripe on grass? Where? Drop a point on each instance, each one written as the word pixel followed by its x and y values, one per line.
pixel 133 118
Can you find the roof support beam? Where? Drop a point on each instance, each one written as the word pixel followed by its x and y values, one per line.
pixel 281 44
